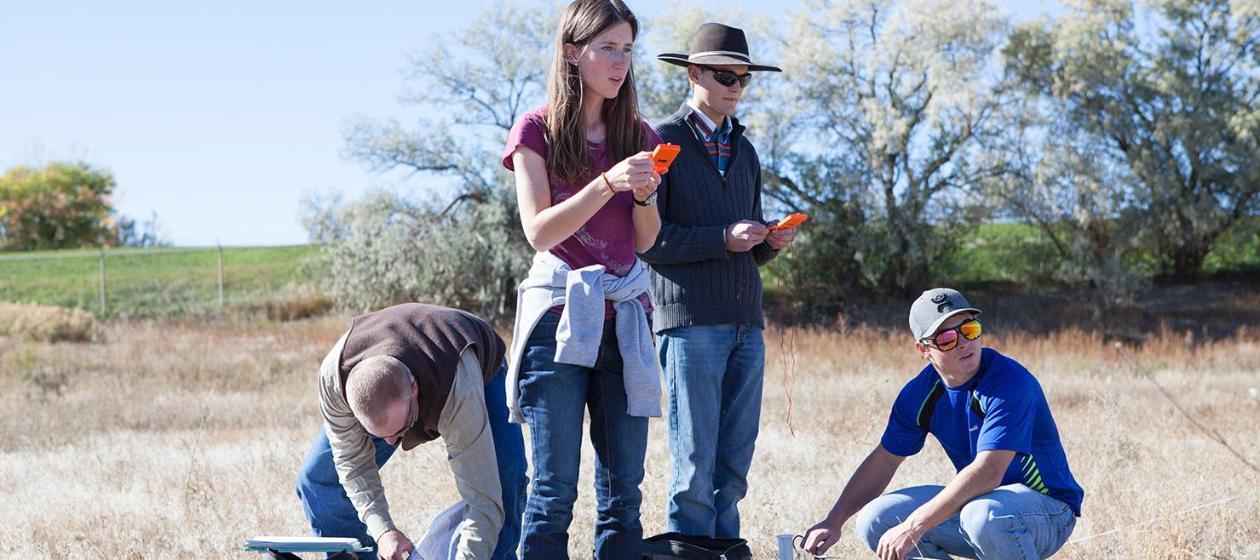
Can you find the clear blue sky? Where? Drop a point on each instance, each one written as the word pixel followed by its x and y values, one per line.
pixel 221 116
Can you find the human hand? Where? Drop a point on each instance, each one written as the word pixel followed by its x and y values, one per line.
pixel 642 193
pixel 632 174
pixel 780 238
pixel 743 235
pixel 821 537
pixel 897 543
pixel 394 545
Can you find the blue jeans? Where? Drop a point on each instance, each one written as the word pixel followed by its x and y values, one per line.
pixel 331 513
pixel 553 399
pixel 1012 521
pixel 713 377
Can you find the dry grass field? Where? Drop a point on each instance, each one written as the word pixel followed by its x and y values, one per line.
pixel 170 440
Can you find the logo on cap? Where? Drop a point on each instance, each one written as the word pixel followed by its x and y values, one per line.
pixel 943 303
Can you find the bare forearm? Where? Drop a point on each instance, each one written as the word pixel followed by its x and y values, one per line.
pixel 867 483
pixel 556 223
pixel 980 477
pixel 647 225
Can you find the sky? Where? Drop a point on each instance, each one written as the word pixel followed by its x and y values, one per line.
pixel 222 117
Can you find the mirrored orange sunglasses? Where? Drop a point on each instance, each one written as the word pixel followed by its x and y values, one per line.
pixel 947 339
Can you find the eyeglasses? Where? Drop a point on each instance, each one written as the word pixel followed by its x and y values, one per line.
pixel 728 79
pixel 947 339
pixel 411 420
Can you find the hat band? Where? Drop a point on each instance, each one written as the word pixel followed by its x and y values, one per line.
pixel 735 54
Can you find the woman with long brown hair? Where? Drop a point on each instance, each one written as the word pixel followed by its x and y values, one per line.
pixel 586 188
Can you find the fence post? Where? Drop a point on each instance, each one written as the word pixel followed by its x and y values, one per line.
pixel 220 273
pixel 102 288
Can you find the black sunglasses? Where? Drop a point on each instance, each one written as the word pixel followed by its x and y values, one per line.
pixel 728 79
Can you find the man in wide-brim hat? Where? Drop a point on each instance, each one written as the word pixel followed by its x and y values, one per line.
pixel 706 288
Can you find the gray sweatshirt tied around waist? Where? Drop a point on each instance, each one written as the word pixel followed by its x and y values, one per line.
pixel 582 292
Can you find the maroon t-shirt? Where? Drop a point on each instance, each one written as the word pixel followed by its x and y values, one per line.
pixel 608 237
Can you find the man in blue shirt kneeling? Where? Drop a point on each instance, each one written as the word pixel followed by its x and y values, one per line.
pixel 1014 495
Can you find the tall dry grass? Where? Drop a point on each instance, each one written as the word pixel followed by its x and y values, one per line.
pixel 178 440
pixel 46 323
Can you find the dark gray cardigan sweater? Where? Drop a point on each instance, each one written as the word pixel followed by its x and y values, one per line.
pixel 695 280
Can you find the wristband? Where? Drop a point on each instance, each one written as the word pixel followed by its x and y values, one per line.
pixel 650 200
pixel 607 184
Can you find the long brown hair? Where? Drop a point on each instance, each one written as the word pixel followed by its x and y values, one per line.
pixel 568 156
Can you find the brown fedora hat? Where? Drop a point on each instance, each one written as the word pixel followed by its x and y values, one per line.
pixel 715 44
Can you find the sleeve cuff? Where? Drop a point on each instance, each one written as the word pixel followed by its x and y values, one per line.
pixel 900 449
pixel 1002 446
pixel 721 243
pixel 378 525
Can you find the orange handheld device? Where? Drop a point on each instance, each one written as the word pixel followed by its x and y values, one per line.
pixel 663 156
pixel 791 221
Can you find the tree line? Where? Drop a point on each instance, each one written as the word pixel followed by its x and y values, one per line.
pixel 1127 135
pixel 66 206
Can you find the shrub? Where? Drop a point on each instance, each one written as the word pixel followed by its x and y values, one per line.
pixel 46 324
pixel 386 248
pixel 292 302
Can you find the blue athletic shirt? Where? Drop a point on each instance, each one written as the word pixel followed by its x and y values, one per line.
pixel 1009 413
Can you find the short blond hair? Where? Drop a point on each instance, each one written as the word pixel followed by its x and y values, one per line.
pixel 374 384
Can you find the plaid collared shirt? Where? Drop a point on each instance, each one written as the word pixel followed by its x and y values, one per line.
pixel 716 142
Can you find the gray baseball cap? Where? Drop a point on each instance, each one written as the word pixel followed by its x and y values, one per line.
pixel 935 306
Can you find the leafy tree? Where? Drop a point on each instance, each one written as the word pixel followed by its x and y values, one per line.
pixel 1175 105
pixel 1055 181
pixel 471 88
pixel 891 108
pixel 130 233
pixel 59 206
pixel 386 248
pixel 457 240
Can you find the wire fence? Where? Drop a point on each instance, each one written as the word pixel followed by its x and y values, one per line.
pixel 157 281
